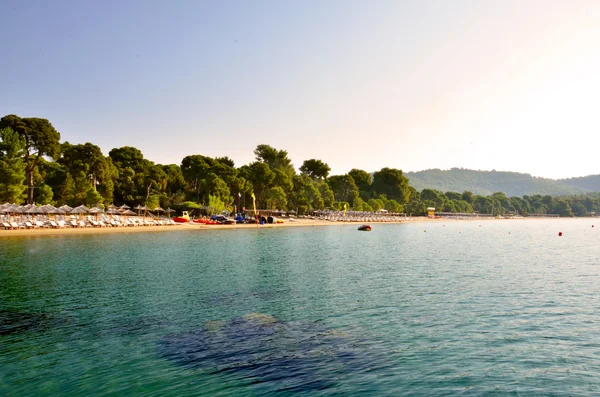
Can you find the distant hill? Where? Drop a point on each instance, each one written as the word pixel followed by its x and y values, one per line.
pixel 590 183
pixel 511 183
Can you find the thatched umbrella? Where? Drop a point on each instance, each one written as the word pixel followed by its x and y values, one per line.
pixel 112 207
pixel 145 209
pixel 125 207
pixel 79 211
pixel 168 211
pixel 138 208
pixel 65 208
pixel 96 211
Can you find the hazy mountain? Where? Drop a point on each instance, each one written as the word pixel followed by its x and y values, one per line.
pixel 590 183
pixel 511 183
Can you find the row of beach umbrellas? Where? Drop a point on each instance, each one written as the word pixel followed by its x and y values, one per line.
pixel 8 208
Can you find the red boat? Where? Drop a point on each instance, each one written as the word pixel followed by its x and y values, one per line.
pixel 183 218
pixel 365 228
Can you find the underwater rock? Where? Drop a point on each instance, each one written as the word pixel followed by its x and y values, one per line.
pixel 259 346
pixel 12 322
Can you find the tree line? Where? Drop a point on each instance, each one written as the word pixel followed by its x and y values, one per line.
pixel 35 167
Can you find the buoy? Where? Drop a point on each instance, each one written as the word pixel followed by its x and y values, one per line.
pixel 559 234
pixel 424 231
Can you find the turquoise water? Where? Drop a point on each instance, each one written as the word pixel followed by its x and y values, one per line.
pixel 469 308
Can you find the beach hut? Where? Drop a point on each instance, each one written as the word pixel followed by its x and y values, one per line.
pixel 430 212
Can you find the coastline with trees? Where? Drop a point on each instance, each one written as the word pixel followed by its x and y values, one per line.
pixel 36 167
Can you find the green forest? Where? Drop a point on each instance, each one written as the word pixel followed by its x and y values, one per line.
pixel 36 167
pixel 511 183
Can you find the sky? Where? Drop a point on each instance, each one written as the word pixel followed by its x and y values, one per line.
pixel 480 84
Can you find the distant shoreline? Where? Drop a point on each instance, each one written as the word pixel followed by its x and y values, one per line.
pixel 200 227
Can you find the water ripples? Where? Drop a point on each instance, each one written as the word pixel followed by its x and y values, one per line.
pixel 501 308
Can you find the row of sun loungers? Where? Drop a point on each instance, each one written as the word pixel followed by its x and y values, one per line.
pixel 86 223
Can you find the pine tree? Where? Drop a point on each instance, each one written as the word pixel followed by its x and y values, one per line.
pixel 12 166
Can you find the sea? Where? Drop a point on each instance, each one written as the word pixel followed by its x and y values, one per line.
pixel 467 308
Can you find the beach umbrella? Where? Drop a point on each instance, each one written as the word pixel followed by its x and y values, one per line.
pixel 33 210
pixel 56 211
pixel 125 207
pixel 65 208
pixel 79 210
pixel 113 212
pixel 128 212
pixel 96 211
pixel 159 209
pixel 168 211
pixel 112 207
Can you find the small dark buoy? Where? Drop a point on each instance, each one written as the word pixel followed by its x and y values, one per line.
pixel 559 234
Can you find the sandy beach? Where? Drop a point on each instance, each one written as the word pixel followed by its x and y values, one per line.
pixel 193 226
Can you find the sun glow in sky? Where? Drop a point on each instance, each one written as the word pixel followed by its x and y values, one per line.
pixel 505 85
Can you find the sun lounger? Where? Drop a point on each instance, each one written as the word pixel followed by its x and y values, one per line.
pixel 29 225
pixel 6 226
pixel 17 226
pixel 73 224
pixel 53 224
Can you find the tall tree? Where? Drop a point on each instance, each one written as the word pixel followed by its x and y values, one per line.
pixel 12 166
pixel 344 189
pixel 363 180
pixel 275 159
pixel 315 169
pixel 41 139
pixel 392 183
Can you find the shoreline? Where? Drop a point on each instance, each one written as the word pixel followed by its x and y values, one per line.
pixel 191 226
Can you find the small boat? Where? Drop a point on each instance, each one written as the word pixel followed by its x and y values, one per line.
pixel 185 217
pixel 365 228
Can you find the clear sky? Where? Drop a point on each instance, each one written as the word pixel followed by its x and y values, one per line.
pixel 505 85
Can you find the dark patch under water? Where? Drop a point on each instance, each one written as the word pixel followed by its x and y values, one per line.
pixel 257 347
pixel 12 322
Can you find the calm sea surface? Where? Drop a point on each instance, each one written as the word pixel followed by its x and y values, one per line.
pixel 462 308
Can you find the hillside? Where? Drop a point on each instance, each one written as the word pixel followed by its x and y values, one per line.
pixel 590 183
pixel 511 183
